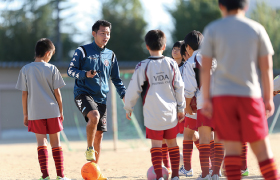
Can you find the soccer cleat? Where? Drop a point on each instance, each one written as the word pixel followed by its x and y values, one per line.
pixel 47 178
pixel 101 177
pixel 62 178
pixel 215 177
pixel 208 177
pixel 175 178
pixel 245 172
pixel 90 154
pixel 184 172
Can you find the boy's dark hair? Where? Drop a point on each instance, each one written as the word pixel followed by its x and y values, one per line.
pixel 234 4
pixel 178 44
pixel 155 39
pixel 42 46
pixel 183 50
pixel 193 39
pixel 99 23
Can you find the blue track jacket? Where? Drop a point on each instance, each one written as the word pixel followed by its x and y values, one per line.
pixel 104 61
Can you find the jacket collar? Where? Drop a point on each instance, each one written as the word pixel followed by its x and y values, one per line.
pixel 95 47
pixel 156 57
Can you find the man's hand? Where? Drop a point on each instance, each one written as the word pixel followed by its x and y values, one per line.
pixel 91 73
pixel 269 108
pixel 188 110
pixel 180 116
pixel 25 120
pixel 207 108
pixel 128 116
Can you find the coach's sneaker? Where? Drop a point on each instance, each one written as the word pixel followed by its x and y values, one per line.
pixel 101 177
pixel 208 177
pixel 62 178
pixel 175 178
pixel 47 178
pixel 245 172
pixel 90 154
pixel 184 172
pixel 215 177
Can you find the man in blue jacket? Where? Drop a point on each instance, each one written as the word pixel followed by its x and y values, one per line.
pixel 92 65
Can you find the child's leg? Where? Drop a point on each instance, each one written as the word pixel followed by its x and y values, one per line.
pixel 232 159
pixel 165 155
pixel 43 154
pixel 174 153
pixel 196 139
pixel 265 158
pixel 218 156
pixel 157 157
pixel 204 148
pixel 57 153
pixel 188 147
pixel 244 156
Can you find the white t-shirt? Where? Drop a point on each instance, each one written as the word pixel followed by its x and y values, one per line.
pixel 40 79
pixel 237 43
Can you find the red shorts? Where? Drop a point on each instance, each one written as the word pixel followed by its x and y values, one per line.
pixel 45 126
pixel 181 127
pixel 162 134
pixel 190 123
pixel 204 121
pixel 240 118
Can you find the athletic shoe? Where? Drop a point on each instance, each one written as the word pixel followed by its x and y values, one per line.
pixel 210 171
pixel 47 178
pixel 215 177
pixel 161 178
pixel 62 178
pixel 245 172
pixel 101 177
pixel 184 172
pixel 90 154
pixel 208 177
pixel 175 178
pixel 169 170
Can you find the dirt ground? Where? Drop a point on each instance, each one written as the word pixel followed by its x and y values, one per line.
pixel 130 162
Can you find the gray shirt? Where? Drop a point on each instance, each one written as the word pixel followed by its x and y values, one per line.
pixel 237 43
pixel 40 79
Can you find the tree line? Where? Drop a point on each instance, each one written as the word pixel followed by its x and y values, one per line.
pixel 21 28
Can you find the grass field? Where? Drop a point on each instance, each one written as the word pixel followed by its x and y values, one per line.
pixel 130 162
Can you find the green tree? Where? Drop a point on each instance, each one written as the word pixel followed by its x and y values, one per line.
pixel 128 28
pixel 193 15
pixel 23 27
pixel 270 19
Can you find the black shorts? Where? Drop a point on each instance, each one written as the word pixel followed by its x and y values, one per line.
pixel 85 104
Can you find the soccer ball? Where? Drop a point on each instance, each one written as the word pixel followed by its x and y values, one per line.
pixel 151 175
pixel 90 171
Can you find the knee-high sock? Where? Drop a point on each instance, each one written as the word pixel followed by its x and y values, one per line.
pixel 156 161
pixel 43 160
pixel 269 169
pixel 244 156
pixel 58 160
pixel 187 154
pixel 212 154
pixel 219 156
pixel 174 154
pixel 233 167
pixel 204 153
pixel 165 156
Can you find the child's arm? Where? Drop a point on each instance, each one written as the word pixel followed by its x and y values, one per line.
pixel 205 80
pixel 59 102
pixel 24 108
pixel 265 64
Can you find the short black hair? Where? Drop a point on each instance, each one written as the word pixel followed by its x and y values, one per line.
pixel 193 39
pixel 178 44
pixel 99 23
pixel 155 39
pixel 234 4
pixel 183 50
pixel 42 46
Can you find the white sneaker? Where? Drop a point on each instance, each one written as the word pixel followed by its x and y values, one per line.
pixel 184 172
pixel 175 178
pixel 62 178
pixel 208 177
pixel 215 177
pixel 161 178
